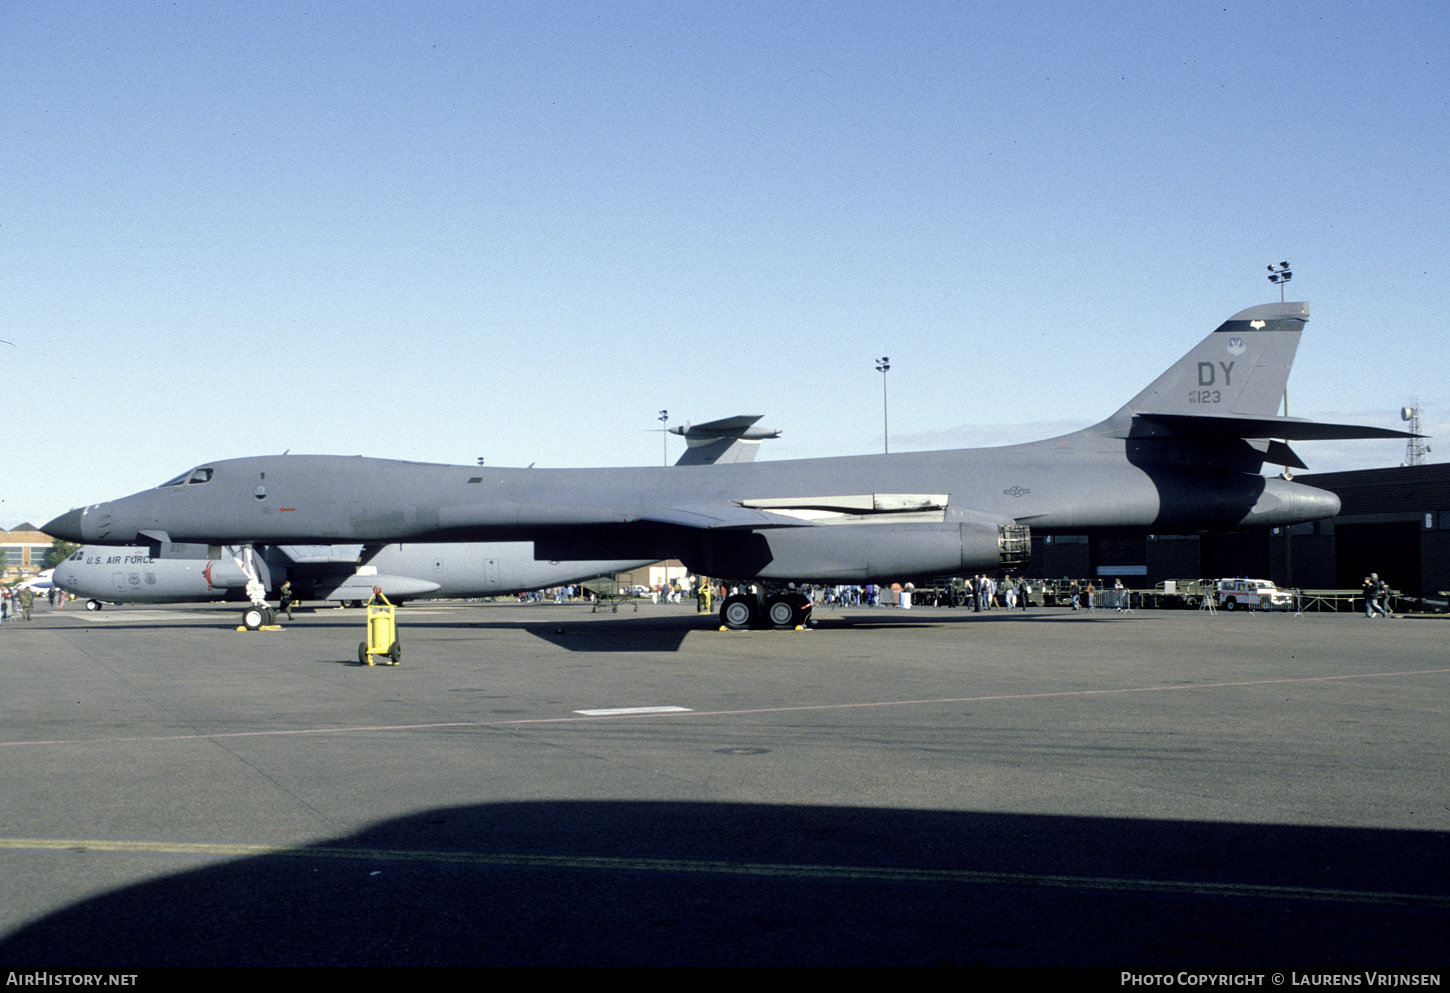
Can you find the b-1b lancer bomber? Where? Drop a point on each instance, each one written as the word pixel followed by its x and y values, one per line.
pixel 1183 456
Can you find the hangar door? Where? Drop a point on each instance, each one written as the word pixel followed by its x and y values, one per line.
pixel 1392 550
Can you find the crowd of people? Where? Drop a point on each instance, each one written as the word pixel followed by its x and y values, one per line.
pixel 17 602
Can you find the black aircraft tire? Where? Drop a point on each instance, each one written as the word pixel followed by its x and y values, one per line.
pixel 781 611
pixel 94 605
pixel 739 612
pixel 253 618
pixel 269 616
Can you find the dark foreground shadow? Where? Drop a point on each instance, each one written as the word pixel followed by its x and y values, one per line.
pixel 747 884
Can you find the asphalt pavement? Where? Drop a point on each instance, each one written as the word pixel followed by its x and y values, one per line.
pixel 539 784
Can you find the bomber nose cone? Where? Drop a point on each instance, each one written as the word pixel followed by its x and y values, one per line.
pixel 67 527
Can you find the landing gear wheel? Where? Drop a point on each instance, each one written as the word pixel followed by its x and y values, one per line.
pixel 739 612
pixel 269 616
pixel 395 653
pixel 253 618
pixel 362 654
pixel 781 611
pixel 94 605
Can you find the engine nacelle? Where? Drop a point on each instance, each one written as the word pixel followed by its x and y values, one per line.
pixel 225 574
pixel 864 553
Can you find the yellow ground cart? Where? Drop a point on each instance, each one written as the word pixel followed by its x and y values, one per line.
pixel 382 632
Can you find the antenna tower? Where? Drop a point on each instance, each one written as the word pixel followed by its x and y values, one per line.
pixel 1415 448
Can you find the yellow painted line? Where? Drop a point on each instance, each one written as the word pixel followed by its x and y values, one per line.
pixel 853 873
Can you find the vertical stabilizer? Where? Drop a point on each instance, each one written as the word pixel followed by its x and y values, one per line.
pixel 1239 369
pixel 730 439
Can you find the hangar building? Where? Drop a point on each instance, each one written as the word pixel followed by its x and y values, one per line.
pixel 1392 521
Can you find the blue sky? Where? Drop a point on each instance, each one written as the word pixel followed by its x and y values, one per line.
pixel 519 230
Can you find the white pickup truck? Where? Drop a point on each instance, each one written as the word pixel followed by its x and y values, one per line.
pixel 1252 594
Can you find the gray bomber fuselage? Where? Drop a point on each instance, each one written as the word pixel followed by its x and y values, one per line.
pixel 1183 456
pixel 1077 483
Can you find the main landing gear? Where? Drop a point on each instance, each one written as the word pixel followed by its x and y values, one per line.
pixel 775 610
pixel 256 617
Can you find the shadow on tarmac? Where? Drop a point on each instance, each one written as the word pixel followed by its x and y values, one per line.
pixel 596 883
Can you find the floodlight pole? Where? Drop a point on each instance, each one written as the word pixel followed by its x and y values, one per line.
pixel 664 418
pixel 1280 274
pixel 883 364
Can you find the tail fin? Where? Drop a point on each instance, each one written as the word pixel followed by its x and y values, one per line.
pixel 1240 369
pixel 1216 406
pixel 730 439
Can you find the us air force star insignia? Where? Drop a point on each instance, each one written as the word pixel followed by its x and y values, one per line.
pixel 1236 346
pixel 1257 325
pixel 1017 491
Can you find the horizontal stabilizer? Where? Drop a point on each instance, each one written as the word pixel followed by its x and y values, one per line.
pixel 1279 453
pixel 1237 426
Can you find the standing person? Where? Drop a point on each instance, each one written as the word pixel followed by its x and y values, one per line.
pixel 27 600
pixel 1119 592
pixel 1089 592
pixel 1368 586
pixel 1075 594
pixel 1022 592
pixel 1381 594
pixel 287 599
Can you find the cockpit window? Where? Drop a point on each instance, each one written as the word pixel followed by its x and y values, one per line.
pixel 202 475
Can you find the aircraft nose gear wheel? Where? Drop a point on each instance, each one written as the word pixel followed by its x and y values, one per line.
pixel 739 612
pixel 94 605
pixel 253 618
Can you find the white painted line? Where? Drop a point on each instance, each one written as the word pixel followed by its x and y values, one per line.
pixel 633 710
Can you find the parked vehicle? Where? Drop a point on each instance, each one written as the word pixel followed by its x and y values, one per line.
pixel 1252 594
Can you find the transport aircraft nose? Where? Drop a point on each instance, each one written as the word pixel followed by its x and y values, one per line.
pixel 67 527
pixel 66 576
